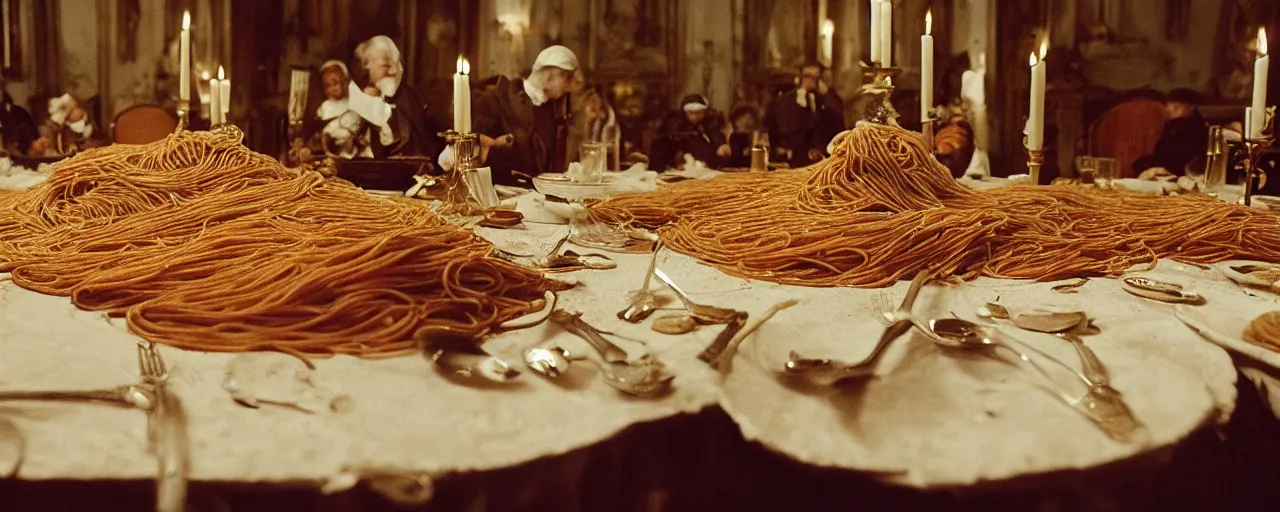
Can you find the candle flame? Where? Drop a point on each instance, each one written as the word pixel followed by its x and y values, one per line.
pixel 928 22
pixel 1262 41
pixel 221 74
pixel 186 20
pixel 464 67
pixel 1044 48
pixel 1034 60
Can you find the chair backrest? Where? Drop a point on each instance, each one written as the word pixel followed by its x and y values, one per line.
pixel 143 124
pixel 1126 132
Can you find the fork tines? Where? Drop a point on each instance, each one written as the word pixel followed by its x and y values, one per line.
pixel 150 363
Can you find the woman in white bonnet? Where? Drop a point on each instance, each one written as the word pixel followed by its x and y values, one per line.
pixel 530 116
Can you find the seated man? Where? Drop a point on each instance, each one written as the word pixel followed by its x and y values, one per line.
pixel 802 122
pixel 696 131
pixel 1181 142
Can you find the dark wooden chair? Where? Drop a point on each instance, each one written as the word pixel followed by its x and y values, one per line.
pixel 143 124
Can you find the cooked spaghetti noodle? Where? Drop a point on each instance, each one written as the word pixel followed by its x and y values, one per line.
pixel 881 208
pixel 202 244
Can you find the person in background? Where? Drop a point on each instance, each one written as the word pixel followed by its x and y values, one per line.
pixel 801 122
pixel 339 136
pixel 390 106
pixel 524 122
pixel 68 129
pixel 697 130
pixel 1181 142
pixel 17 128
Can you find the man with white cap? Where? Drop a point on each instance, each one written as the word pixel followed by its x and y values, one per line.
pixel 697 130
pixel 530 116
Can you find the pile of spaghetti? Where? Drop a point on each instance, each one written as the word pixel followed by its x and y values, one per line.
pixel 202 244
pixel 882 208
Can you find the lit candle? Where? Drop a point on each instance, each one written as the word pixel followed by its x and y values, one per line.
pixel 875 30
pixel 462 97
pixel 184 59
pixel 926 69
pixel 886 33
pixel 215 101
pixel 1260 68
pixel 1035 120
pixel 225 94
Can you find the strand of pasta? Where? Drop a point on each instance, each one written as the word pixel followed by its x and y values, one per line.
pixel 204 245
pixel 881 208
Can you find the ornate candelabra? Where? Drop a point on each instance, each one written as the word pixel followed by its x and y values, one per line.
pixel 1255 177
pixel 881 109
pixel 466 157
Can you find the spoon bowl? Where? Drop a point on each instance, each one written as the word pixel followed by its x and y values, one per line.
pixel 459 355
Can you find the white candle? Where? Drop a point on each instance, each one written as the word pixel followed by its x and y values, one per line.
pixel 215 101
pixel 184 59
pixel 224 94
pixel 462 97
pixel 886 33
pixel 875 30
pixel 1035 120
pixel 1261 67
pixel 926 69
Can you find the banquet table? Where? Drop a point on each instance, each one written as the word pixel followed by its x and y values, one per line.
pixel 931 419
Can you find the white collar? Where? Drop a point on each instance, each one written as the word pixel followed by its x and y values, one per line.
pixel 535 93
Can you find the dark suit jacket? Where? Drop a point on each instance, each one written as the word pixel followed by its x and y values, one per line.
pixel 680 136
pixel 1182 142
pixel 801 129
pixel 16 126
pixel 409 124
pixel 539 146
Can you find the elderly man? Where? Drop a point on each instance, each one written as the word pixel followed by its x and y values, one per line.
pixel 391 107
pixel 529 118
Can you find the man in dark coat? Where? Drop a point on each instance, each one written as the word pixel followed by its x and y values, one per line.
pixel 803 121
pixel 1182 141
pixel 696 131
pixel 530 117
pixel 397 122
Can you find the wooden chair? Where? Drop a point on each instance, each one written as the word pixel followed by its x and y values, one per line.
pixel 1126 132
pixel 143 124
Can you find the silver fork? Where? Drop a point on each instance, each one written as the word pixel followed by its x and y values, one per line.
pixel 166 432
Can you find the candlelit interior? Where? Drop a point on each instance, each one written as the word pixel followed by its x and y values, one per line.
pixel 464 108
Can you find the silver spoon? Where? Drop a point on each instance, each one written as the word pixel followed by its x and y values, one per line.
pixel 645 376
pixel 643 301
pixel 461 356
pixel 551 362
pixel 1063 325
pixel 1099 404
pixel 703 313
pixel 1160 291
pixel 826 371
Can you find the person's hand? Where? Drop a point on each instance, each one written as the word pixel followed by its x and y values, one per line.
pixel 815 155
pixel 77 114
pixel 1154 174
pixel 40 146
pixel 724 151
pixel 373 91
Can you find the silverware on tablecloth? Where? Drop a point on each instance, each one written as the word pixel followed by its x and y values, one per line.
pixel 1100 404
pixel 701 312
pixel 1071 287
pixel 1160 291
pixel 829 371
pixel 643 302
pixel 132 396
pixel 166 432
pixel 551 362
pixel 722 341
pixel 644 376
pixel 459 355
pixel 1066 325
